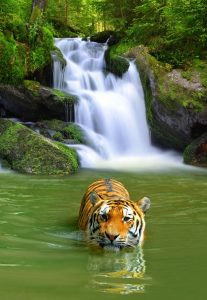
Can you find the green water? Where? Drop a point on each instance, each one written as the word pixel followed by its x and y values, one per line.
pixel 42 256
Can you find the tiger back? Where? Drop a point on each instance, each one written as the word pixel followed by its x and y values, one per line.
pixel 108 216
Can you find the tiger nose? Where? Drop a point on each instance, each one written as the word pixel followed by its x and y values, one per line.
pixel 111 237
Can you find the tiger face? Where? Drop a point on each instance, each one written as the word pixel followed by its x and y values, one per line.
pixel 116 224
pixel 109 218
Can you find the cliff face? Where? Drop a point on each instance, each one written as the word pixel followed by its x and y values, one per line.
pixel 176 107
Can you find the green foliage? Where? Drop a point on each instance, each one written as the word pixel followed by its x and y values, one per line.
pixel 174 30
pixel 13 60
pixel 41 40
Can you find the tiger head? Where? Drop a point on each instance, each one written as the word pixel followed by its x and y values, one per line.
pixel 115 224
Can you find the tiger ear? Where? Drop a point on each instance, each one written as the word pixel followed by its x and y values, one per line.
pixel 144 204
pixel 94 198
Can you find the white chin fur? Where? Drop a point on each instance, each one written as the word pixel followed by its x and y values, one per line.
pixel 111 248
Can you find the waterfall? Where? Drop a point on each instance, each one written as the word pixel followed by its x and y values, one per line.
pixel 110 110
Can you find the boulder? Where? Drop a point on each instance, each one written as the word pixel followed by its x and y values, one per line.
pixel 33 102
pixel 116 64
pixel 109 36
pixel 29 152
pixel 196 153
pixel 176 107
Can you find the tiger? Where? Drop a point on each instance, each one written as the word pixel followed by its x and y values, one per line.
pixel 109 218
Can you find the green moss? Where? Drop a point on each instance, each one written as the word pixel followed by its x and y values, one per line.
pixel 58 136
pixel 70 154
pixel 32 86
pixel 28 152
pixel 64 97
pixel 56 125
pixel 41 41
pixel 116 64
pixel 59 56
pixel 36 13
pixel 13 60
pixel 74 132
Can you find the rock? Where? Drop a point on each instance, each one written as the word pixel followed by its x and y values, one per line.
pixel 75 133
pixel 29 152
pixel 196 153
pixel 115 64
pixel 33 102
pixel 109 36
pixel 176 109
pixel 65 132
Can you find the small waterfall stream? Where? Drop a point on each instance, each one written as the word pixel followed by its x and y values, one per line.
pixel 110 110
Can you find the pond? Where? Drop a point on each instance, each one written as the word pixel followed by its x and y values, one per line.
pixel 42 255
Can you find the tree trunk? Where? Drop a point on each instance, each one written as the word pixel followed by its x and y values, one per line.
pixel 41 4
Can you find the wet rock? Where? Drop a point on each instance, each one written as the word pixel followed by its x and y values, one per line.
pixel 29 152
pixel 115 64
pixel 109 36
pixel 33 102
pixel 176 108
pixel 196 153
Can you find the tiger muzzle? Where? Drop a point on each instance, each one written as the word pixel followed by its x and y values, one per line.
pixel 111 237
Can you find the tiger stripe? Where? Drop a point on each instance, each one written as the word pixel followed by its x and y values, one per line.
pixel 108 216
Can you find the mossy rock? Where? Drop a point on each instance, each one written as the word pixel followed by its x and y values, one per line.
pixel 58 56
pixel 176 108
pixel 54 124
pixel 115 64
pixel 74 132
pixel 196 153
pixel 28 152
pixel 109 36
pixel 58 136
pixel 34 102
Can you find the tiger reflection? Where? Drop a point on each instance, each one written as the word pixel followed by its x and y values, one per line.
pixel 122 273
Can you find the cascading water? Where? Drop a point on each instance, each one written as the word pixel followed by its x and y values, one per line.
pixel 110 110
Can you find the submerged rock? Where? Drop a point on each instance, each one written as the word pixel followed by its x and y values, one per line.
pixel 176 107
pixel 33 102
pixel 29 152
pixel 196 153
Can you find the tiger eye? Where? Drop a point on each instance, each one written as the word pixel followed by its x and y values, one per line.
pixel 126 219
pixel 104 217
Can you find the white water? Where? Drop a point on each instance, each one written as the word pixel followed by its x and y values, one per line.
pixel 110 110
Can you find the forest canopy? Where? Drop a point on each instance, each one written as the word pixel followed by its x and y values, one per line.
pixel 175 31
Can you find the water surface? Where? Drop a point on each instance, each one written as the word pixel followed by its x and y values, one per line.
pixel 42 255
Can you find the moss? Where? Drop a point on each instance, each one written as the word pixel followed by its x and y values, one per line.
pixel 58 136
pixel 116 64
pixel 170 92
pixel 70 154
pixel 13 60
pixel 56 125
pixel 41 45
pixel 56 53
pixel 36 13
pixel 74 132
pixel 28 152
pixel 64 97
pixel 32 86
